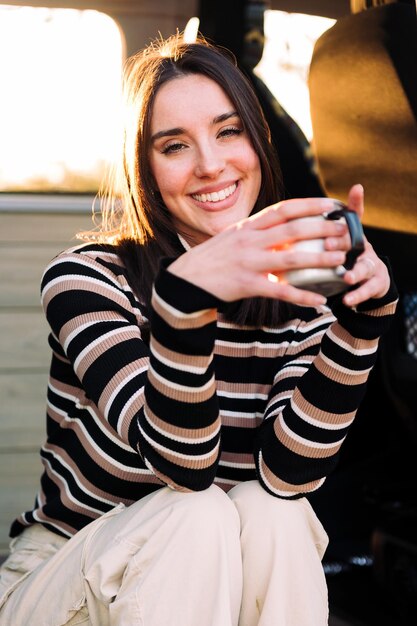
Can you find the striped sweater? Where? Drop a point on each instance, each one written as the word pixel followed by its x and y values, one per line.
pixel 204 401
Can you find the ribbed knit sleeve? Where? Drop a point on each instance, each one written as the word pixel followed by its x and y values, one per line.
pixel 95 325
pixel 161 401
pixel 315 397
pixel 206 400
pixel 180 426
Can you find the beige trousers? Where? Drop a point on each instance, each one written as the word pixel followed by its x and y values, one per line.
pixel 174 559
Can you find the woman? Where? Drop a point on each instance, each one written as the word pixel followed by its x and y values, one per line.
pixel 194 396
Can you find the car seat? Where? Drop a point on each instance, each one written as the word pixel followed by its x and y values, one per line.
pixel 363 98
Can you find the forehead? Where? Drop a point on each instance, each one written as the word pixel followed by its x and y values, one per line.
pixel 187 99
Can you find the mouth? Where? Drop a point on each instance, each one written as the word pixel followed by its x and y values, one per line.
pixel 215 196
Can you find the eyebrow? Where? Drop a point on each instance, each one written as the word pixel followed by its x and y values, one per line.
pixel 171 132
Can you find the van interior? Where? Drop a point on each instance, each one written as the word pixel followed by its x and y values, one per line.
pixel 363 101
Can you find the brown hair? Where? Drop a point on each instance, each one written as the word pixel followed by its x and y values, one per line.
pixel 133 213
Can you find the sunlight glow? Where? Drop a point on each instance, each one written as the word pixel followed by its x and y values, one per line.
pixel 60 96
pixel 191 30
pixel 289 42
pixel 61 84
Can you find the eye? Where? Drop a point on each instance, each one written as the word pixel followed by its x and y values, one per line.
pixel 230 131
pixel 172 148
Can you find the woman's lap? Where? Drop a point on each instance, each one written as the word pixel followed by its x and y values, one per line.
pixel 104 566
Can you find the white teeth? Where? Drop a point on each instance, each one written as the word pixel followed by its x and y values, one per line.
pixel 216 195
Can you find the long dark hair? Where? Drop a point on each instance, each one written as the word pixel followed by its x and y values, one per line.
pixel 134 217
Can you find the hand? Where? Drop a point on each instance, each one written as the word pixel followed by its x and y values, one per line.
pixel 248 258
pixel 369 272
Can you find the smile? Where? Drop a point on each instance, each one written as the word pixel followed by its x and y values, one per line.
pixel 216 196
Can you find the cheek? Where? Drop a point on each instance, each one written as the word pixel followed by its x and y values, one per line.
pixel 248 159
pixel 253 168
pixel 169 177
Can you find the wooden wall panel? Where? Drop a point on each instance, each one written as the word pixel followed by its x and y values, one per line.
pixel 23 337
pixel 22 410
pixel 19 481
pixel 27 243
pixel 43 227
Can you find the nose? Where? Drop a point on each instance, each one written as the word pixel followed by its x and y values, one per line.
pixel 210 161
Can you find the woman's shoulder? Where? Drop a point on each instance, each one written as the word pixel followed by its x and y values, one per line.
pixel 88 254
pixel 96 261
pixel 104 253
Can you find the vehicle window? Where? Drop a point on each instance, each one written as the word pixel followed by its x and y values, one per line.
pixel 289 42
pixel 60 76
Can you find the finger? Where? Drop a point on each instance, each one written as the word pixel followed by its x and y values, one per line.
pixel 365 292
pixel 338 243
pixel 284 291
pixel 296 230
pixel 356 199
pixel 281 261
pixel 364 269
pixel 288 210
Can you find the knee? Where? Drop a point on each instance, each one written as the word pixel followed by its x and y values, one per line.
pixel 209 511
pixel 265 516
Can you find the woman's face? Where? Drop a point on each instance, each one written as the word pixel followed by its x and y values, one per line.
pixel 202 160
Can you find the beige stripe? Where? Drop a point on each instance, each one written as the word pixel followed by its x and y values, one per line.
pixel 104 343
pixel 78 395
pixel 294 324
pixel 234 350
pixel 188 462
pixel 298 447
pixel 238 459
pixel 225 485
pixel 281 486
pixel 237 389
pixel 177 319
pixel 81 322
pixel 188 435
pixel 387 309
pixel 40 516
pixel 178 358
pixel 342 337
pixel 61 358
pixel 180 393
pixel 292 371
pixel 265 350
pixel 128 414
pixel 80 283
pixel 122 376
pixel 345 377
pixel 307 410
pixel 168 481
pixel 90 489
pixel 237 421
pixel 54 415
pixel 69 390
pixel 66 500
pixel 97 454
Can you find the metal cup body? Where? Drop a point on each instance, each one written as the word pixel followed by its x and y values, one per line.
pixel 328 281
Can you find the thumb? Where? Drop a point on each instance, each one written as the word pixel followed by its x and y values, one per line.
pixel 356 199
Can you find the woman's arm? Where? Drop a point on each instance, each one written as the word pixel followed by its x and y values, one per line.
pixel 161 400
pixel 316 395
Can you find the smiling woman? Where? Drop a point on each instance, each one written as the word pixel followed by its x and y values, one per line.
pixel 204 164
pixel 60 99
pixel 192 404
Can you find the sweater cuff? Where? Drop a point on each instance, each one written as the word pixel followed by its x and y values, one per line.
pixel 181 294
pixel 371 318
